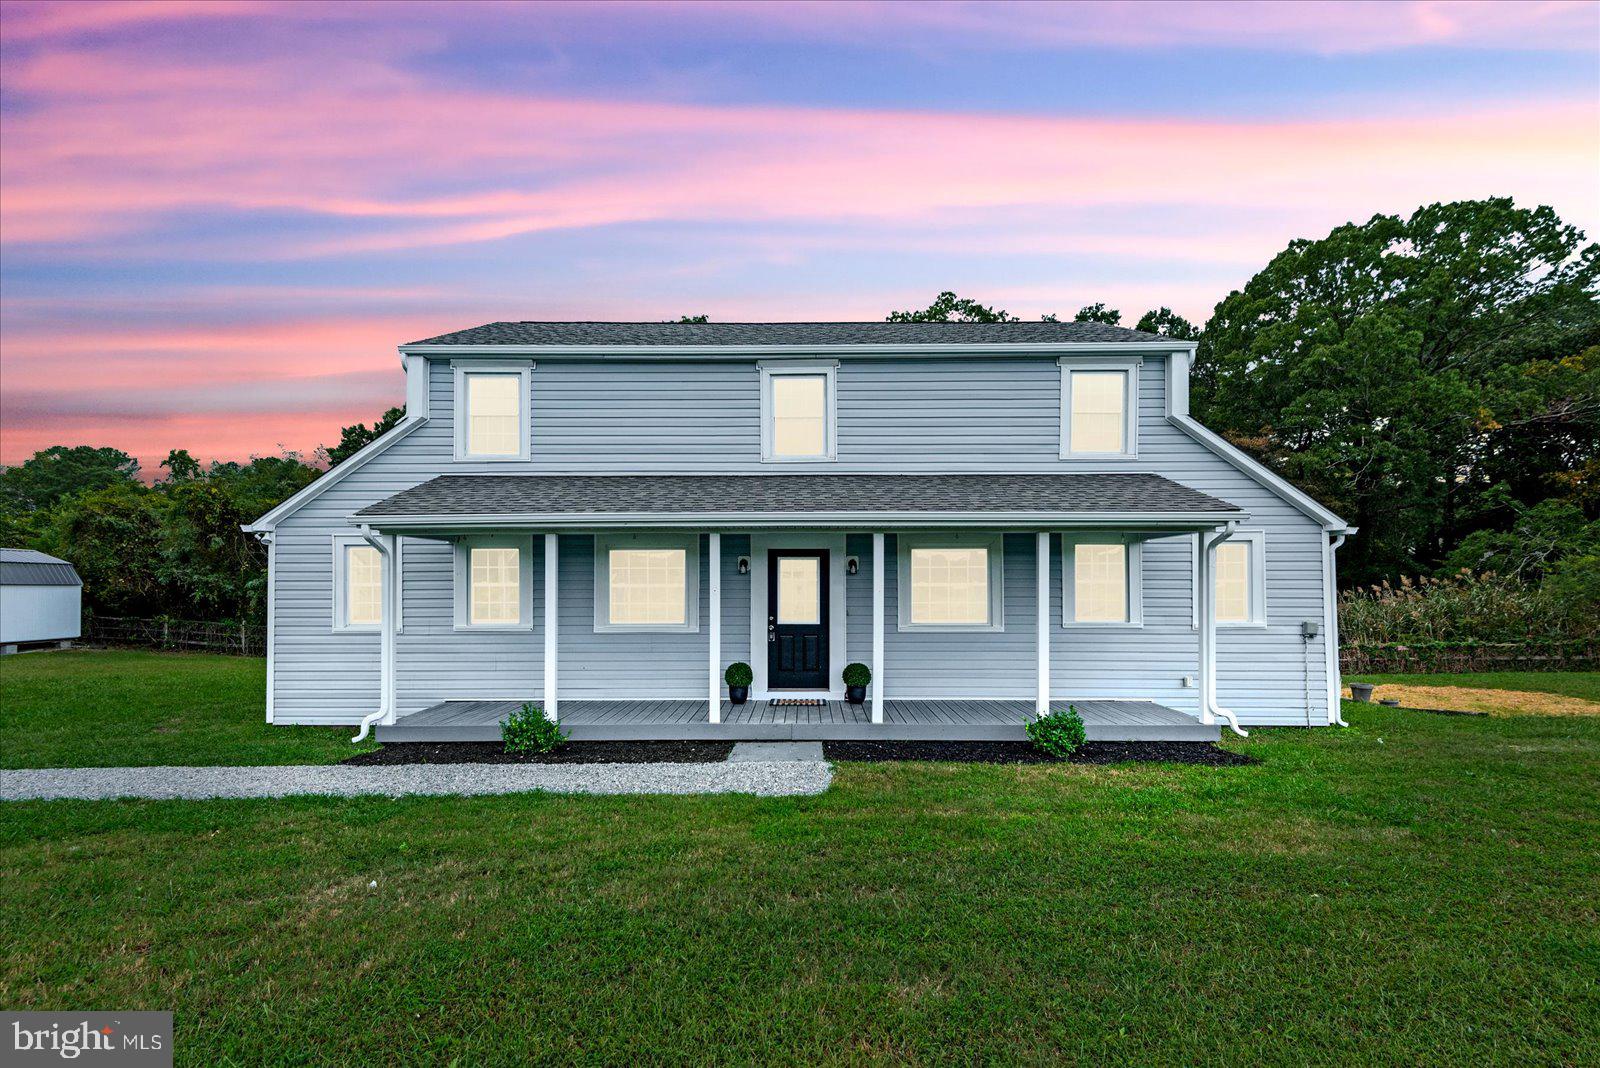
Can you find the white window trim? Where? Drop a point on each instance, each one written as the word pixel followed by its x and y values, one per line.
pixel 1258 577
pixel 463 579
pixel 524 371
pixel 1129 367
pixel 341 590
pixel 995 543
pixel 688 542
pixel 1069 590
pixel 772 369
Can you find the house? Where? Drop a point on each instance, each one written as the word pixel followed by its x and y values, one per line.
pixel 41 600
pixel 997 518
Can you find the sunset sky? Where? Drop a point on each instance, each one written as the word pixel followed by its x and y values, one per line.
pixel 217 220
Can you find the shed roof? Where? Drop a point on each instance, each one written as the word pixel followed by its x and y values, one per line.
pixel 712 335
pixel 742 497
pixel 27 567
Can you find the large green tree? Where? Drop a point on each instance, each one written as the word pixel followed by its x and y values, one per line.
pixel 352 439
pixel 61 471
pixel 949 308
pixel 1421 375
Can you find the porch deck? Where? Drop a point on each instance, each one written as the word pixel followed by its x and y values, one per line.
pixel 904 720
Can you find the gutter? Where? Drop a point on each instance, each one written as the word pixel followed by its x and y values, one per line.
pixel 1208 623
pixel 743 352
pixel 1132 522
pixel 385 710
pixel 1331 615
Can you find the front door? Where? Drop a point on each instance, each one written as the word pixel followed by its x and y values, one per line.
pixel 797 619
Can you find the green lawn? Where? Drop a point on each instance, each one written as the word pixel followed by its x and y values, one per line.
pixel 1416 889
pixel 99 708
pixel 1584 684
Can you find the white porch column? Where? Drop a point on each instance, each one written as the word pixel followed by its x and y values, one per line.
pixel 877 628
pixel 1042 578
pixel 714 590
pixel 552 558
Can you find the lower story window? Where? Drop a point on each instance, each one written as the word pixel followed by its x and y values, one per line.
pixel 1101 580
pixel 358 584
pixel 647 582
pixel 950 585
pixel 494 579
pixel 1239 571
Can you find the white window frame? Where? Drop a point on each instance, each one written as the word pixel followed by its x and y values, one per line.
pixel 1134 559
pixel 689 543
pixel 829 371
pixel 463 579
pixel 995 543
pixel 524 370
pixel 1258 577
pixel 1129 367
pixel 341 591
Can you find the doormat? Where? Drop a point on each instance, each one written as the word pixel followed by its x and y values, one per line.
pixel 798 702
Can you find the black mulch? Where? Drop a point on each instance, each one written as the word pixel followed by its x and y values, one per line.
pixel 1025 753
pixel 681 752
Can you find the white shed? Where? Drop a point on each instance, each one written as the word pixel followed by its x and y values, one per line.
pixel 41 599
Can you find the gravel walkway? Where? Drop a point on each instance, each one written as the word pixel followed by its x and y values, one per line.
pixel 763 778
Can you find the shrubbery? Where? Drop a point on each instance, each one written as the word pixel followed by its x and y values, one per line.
pixel 1467 608
pixel 1059 733
pixel 527 730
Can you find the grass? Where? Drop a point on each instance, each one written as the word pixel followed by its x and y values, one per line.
pixel 102 708
pixel 1416 889
pixel 1583 684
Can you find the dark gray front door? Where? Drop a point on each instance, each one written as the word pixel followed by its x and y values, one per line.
pixel 797 619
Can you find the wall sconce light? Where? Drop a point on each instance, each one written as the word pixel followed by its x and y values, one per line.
pixel 744 565
pixel 852 564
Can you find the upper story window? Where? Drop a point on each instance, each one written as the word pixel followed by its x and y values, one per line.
pixel 491 411
pixel 648 582
pixel 950 582
pixel 1239 569
pixel 494 582
pixel 1101 580
pixel 1098 408
pixel 798 421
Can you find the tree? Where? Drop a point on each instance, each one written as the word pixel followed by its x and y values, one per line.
pixel 1403 370
pixel 949 308
pixel 1098 313
pixel 113 536
pixel 62 471
pixel 1168 323
pixel 694 319
pixel 354 438
pixel 181 467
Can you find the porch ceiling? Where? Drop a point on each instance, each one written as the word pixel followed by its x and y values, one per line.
pixel 1099 499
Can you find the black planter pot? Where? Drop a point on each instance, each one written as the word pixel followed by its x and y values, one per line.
pixel 738 695
pixel 856 695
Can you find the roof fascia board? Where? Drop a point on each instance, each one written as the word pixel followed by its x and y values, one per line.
pixel 742 352
pixel 865 520
pixel 1252 467
pixel 338 474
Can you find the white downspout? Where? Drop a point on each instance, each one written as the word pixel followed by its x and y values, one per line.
pixel 385 712
pixel 1330 603
pixel 1209 708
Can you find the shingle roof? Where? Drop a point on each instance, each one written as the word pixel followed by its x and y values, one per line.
pixel 26 567
pixel 735 495
pixel 817 334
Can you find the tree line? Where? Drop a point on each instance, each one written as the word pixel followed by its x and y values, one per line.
pixel 1435 379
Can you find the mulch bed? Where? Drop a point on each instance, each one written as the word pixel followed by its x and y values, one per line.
pixel 1025 753
pixel 672 752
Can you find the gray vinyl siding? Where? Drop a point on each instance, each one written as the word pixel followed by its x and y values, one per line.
pixel 894 416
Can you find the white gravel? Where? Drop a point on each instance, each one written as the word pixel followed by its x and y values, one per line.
pixel 763 778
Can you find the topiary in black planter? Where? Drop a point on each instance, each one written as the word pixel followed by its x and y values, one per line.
pixel 738 677
pixel 856 679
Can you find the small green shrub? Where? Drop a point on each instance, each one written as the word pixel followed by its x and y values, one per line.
pixel 857 675
pixel 739 674
pixel 528 731
pixel 1059 733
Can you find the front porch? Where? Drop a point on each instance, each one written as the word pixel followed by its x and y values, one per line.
pixel 903 720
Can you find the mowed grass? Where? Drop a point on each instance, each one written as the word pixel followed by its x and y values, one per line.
pixel 105 708
pixel 1418 889
pixel 1583 684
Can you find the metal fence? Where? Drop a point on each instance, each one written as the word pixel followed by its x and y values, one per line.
pixel 239 639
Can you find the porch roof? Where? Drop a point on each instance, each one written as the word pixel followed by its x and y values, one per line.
pixel 485 501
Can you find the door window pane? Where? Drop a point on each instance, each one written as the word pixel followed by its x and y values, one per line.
pixel 1233 582
pixel 950 586
pixel 648 587
pixel 1100 583
pixel 1097 411
pixel 363 586
pixel 799 589
pixel 494 415
pixel 496 585
pixel 799 415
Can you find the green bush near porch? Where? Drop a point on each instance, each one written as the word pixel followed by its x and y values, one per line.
pixel 1059 733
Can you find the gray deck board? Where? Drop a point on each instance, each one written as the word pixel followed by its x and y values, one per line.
pixel 947 720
